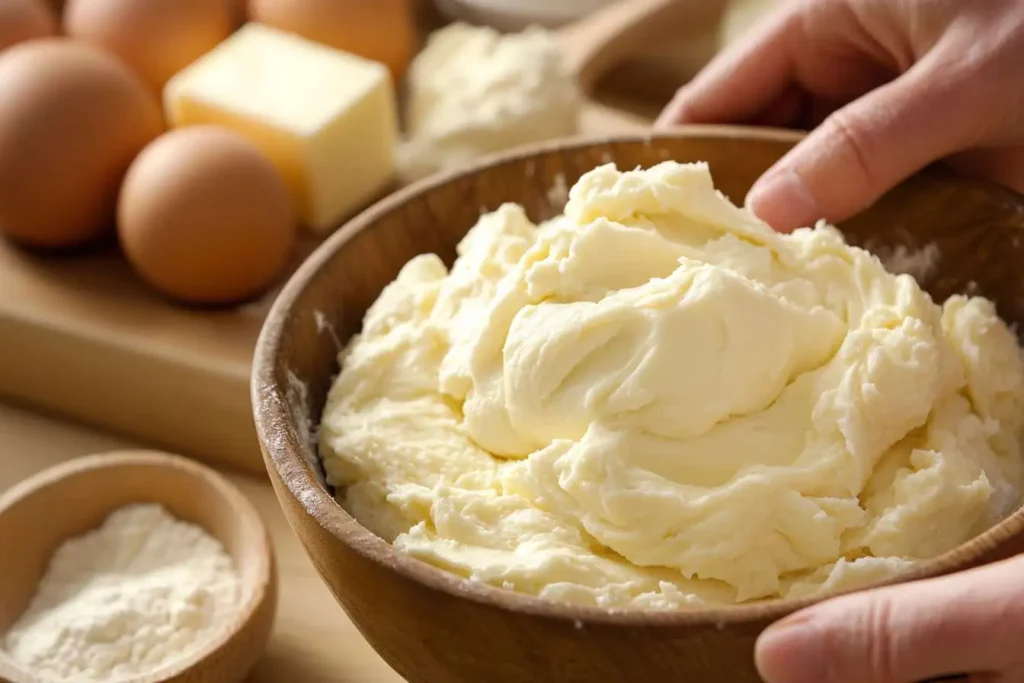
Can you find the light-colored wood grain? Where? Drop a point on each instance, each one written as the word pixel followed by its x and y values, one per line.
pixel 83 337
pixel 312 641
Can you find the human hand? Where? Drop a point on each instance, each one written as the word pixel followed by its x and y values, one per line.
pixel 967 623
pixel 894 85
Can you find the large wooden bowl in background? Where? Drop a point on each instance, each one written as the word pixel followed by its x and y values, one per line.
pixel 433 627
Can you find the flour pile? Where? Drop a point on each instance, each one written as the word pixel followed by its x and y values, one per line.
pixel 138 593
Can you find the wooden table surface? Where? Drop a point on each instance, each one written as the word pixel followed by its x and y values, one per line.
pixel 313 640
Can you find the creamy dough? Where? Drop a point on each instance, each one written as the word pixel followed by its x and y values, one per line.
pixel 655 401
pixel 475 91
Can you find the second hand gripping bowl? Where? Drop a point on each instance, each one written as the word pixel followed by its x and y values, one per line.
pixel 431 625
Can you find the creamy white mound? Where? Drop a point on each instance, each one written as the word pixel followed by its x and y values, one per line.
pixel 474 91
pixel 655 401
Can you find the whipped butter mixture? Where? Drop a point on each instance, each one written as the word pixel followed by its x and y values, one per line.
pixel 475 91
pixel 654 401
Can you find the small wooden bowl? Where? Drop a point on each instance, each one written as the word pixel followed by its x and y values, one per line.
pixel 433 626
pixel 40 513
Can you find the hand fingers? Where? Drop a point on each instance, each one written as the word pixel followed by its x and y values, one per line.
pixel 786 111
pixel 851 159
pixel 820 110
pixel 971 623
pixel 741 82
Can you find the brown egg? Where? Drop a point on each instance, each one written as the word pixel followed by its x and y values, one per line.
pixel 205 218
pixel 157 38
pixel 381 30
pixel 72 118
pixel 22 20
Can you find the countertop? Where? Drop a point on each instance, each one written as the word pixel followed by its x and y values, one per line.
pixel 313 640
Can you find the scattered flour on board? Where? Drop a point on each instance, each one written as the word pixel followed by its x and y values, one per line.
pixel 138 593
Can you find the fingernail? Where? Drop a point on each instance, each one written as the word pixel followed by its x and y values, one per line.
pixel 792 651
pixel 781 199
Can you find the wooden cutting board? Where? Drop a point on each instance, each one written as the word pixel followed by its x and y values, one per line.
pixel 81 336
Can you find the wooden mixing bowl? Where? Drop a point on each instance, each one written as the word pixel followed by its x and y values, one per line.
pixel 434 627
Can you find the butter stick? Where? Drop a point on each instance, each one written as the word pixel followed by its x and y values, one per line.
pixel 326 118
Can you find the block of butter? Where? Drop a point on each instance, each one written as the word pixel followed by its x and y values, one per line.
pixel 326 118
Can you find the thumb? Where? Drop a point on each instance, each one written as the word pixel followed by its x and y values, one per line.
pixel 865 148
pixel 968 623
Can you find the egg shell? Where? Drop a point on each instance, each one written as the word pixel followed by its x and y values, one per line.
pixel 205 218
pixel 72 118
pixel 22 20
pixel 156 38
pixel 381 30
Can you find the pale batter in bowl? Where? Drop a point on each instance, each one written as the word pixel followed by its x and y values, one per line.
pixel 655 401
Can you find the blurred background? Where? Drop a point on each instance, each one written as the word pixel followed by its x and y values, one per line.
pixel 644 82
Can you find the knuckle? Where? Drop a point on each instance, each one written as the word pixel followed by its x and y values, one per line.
pixel 850 135
pixel 881 649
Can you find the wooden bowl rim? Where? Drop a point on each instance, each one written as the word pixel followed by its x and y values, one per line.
pixel 280 439
pixel 243 511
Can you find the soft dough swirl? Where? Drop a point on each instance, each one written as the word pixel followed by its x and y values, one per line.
pixel 654 401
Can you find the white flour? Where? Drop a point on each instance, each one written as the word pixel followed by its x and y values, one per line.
pixel 920 264
pixel 138 593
